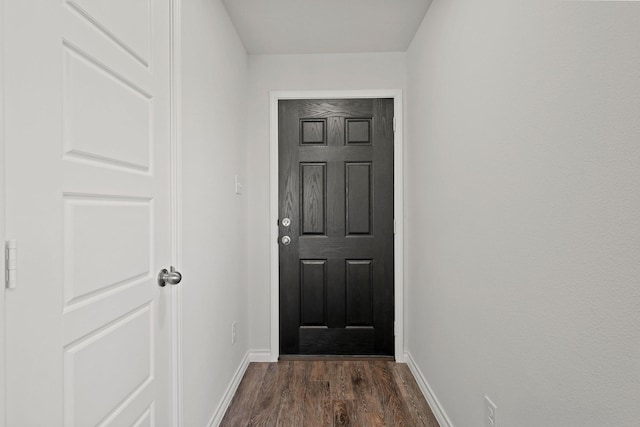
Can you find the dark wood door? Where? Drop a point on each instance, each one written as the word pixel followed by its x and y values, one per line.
pixel 336 189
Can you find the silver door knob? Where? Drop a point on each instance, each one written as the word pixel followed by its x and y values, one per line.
pixel 172 277
pixel 286 222
pixel 286 240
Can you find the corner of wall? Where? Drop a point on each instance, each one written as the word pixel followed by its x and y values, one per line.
pixel 428 393
pixel 230 390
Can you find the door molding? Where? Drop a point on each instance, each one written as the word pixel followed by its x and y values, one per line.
pixel 3 383
pixel 175 197
pixel 398 205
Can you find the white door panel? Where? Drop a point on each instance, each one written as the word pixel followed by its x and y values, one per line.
pixel 87 192
pixel 126 22
pixel 91 252
pixel 107 118
pixel 98 362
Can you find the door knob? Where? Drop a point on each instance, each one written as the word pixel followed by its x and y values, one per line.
pixel 172 277
pixel 286 240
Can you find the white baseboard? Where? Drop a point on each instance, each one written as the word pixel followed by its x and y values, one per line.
pixel 229 392
pixel 433 402
pixel 260 356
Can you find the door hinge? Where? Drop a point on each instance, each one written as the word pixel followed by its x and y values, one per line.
pixel 395 329
pixel 10 264
pixel 394 123
pixel 394 226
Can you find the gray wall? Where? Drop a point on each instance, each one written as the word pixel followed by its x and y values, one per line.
pixel 523 212
pixel 214 67
pixel 293 73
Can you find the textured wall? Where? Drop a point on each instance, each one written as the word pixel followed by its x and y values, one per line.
pixel 523 210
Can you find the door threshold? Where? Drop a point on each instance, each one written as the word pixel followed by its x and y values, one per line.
pixel 334 357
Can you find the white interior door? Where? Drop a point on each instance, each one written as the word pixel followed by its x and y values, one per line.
pixel 87 200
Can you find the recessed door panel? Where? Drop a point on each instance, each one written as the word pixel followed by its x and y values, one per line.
pixel 359 292
pixel 125 22
pixel 359 209
pixel 313 285
pixel 97 362
pixel 313 132
pixel 107 118
pixel 107 243
pixel 313 198
pixel 358 131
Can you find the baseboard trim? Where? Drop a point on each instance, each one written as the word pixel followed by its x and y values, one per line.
pixel 432 400
pixel 218 415
pixel 260 356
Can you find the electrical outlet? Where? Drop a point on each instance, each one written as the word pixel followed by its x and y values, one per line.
pixel 234 330
pixel 490 413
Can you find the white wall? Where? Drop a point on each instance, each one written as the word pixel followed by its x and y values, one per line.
pixel 290 73
pixel 523 212
pixel 214 76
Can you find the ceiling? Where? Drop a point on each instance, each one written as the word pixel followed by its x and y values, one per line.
pixel 326 26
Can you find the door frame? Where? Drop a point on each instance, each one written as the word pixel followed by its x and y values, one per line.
pixel 175 203
pixel 3 382
pixel 398 205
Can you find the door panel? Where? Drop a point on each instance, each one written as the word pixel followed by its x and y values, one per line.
pixel 359 290
pixel 313 290
pixel 87 246
pixel 107 118
pixel 336 187
pixel 358 189
pixel 87 155
pixel 313 198
pixel 98 362
pixel 127 23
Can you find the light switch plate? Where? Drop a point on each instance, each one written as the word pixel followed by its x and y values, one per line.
pixel 238 185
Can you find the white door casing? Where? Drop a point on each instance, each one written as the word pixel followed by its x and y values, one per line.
pixel 398 207
pixel 2 208
pixel 88 331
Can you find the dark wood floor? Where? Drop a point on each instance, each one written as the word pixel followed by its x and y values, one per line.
pixel 328 393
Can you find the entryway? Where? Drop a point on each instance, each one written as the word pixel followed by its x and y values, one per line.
pixel 336 210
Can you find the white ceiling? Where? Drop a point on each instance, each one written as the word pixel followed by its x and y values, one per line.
pixel 326 26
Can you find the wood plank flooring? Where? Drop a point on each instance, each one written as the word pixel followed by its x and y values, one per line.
pixel 328 393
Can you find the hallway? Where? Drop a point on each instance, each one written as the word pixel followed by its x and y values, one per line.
pixel 141 138
pixel 331 393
